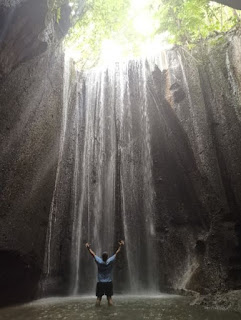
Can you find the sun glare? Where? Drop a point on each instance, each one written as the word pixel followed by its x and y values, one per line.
pixel 111 52
pixel 142 26
pixel 139 4
pixel 142 20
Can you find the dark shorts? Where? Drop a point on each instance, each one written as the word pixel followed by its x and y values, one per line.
pixel 104 288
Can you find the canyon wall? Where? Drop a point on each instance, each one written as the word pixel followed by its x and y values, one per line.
pixel 176 130
pixel 202 93
pixel 31 104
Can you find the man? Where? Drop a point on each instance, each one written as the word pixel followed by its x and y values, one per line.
pixel 105 266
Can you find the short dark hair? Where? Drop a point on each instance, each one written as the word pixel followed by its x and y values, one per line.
pixel 104 256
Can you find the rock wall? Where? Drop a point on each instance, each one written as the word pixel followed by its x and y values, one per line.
pixel 194 111
pixel 203 91
pixel 231 3
pixel 31 104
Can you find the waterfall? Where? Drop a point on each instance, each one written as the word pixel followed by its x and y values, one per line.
pixel 113 182
pixel 54 205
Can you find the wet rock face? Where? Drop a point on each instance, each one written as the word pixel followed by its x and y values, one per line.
pixel 27 28
pixel 210 117
pixel 177 92
pixel 21 25
pixel 194 113
pixel 31 102
pixel 19 277
pixel 231 3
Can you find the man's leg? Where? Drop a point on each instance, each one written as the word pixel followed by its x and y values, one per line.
pixel 98 301
pixel 110 302
pixel 109 293
pixel 99 293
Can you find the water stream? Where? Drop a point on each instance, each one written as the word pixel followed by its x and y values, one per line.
pixel 114 172
pixel 54 205
pixel 112 193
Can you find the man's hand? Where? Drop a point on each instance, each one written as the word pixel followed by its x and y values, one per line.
pixel 90 250
pixel 87 245
pixel 121 243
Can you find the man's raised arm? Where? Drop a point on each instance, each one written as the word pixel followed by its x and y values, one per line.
pixel 121 243
pixel 90 251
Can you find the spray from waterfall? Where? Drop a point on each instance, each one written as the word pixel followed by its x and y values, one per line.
pixel 113 169
pixel 54 203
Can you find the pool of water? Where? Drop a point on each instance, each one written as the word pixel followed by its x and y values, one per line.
pixel 165 307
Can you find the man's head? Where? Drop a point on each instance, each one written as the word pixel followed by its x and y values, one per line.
pixel 104 256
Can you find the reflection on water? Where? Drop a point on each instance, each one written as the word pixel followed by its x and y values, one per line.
pixel 165 307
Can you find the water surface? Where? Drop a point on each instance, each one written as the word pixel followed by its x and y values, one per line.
pixel 165 307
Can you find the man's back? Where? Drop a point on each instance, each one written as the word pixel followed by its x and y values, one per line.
pixel 104 285
pixel 105 268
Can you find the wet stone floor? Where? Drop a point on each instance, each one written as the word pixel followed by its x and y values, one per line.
pixel 165 307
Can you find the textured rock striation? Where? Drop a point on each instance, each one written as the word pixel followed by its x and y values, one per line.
pixel 152 150
pixel 183 120
pixel 31 104
pixel 208 118
pixel 231 3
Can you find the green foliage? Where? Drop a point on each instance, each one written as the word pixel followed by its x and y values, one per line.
pixel 186 21
pixel 58 14
pixel 56 7
pixel 190 20
pixel 101 20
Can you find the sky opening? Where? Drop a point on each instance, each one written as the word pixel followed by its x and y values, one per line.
pixel 142 26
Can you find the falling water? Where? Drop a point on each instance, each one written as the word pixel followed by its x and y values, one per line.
pixel 54 209
pixel 114 193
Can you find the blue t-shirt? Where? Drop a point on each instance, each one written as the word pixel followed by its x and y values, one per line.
pixel 105 268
